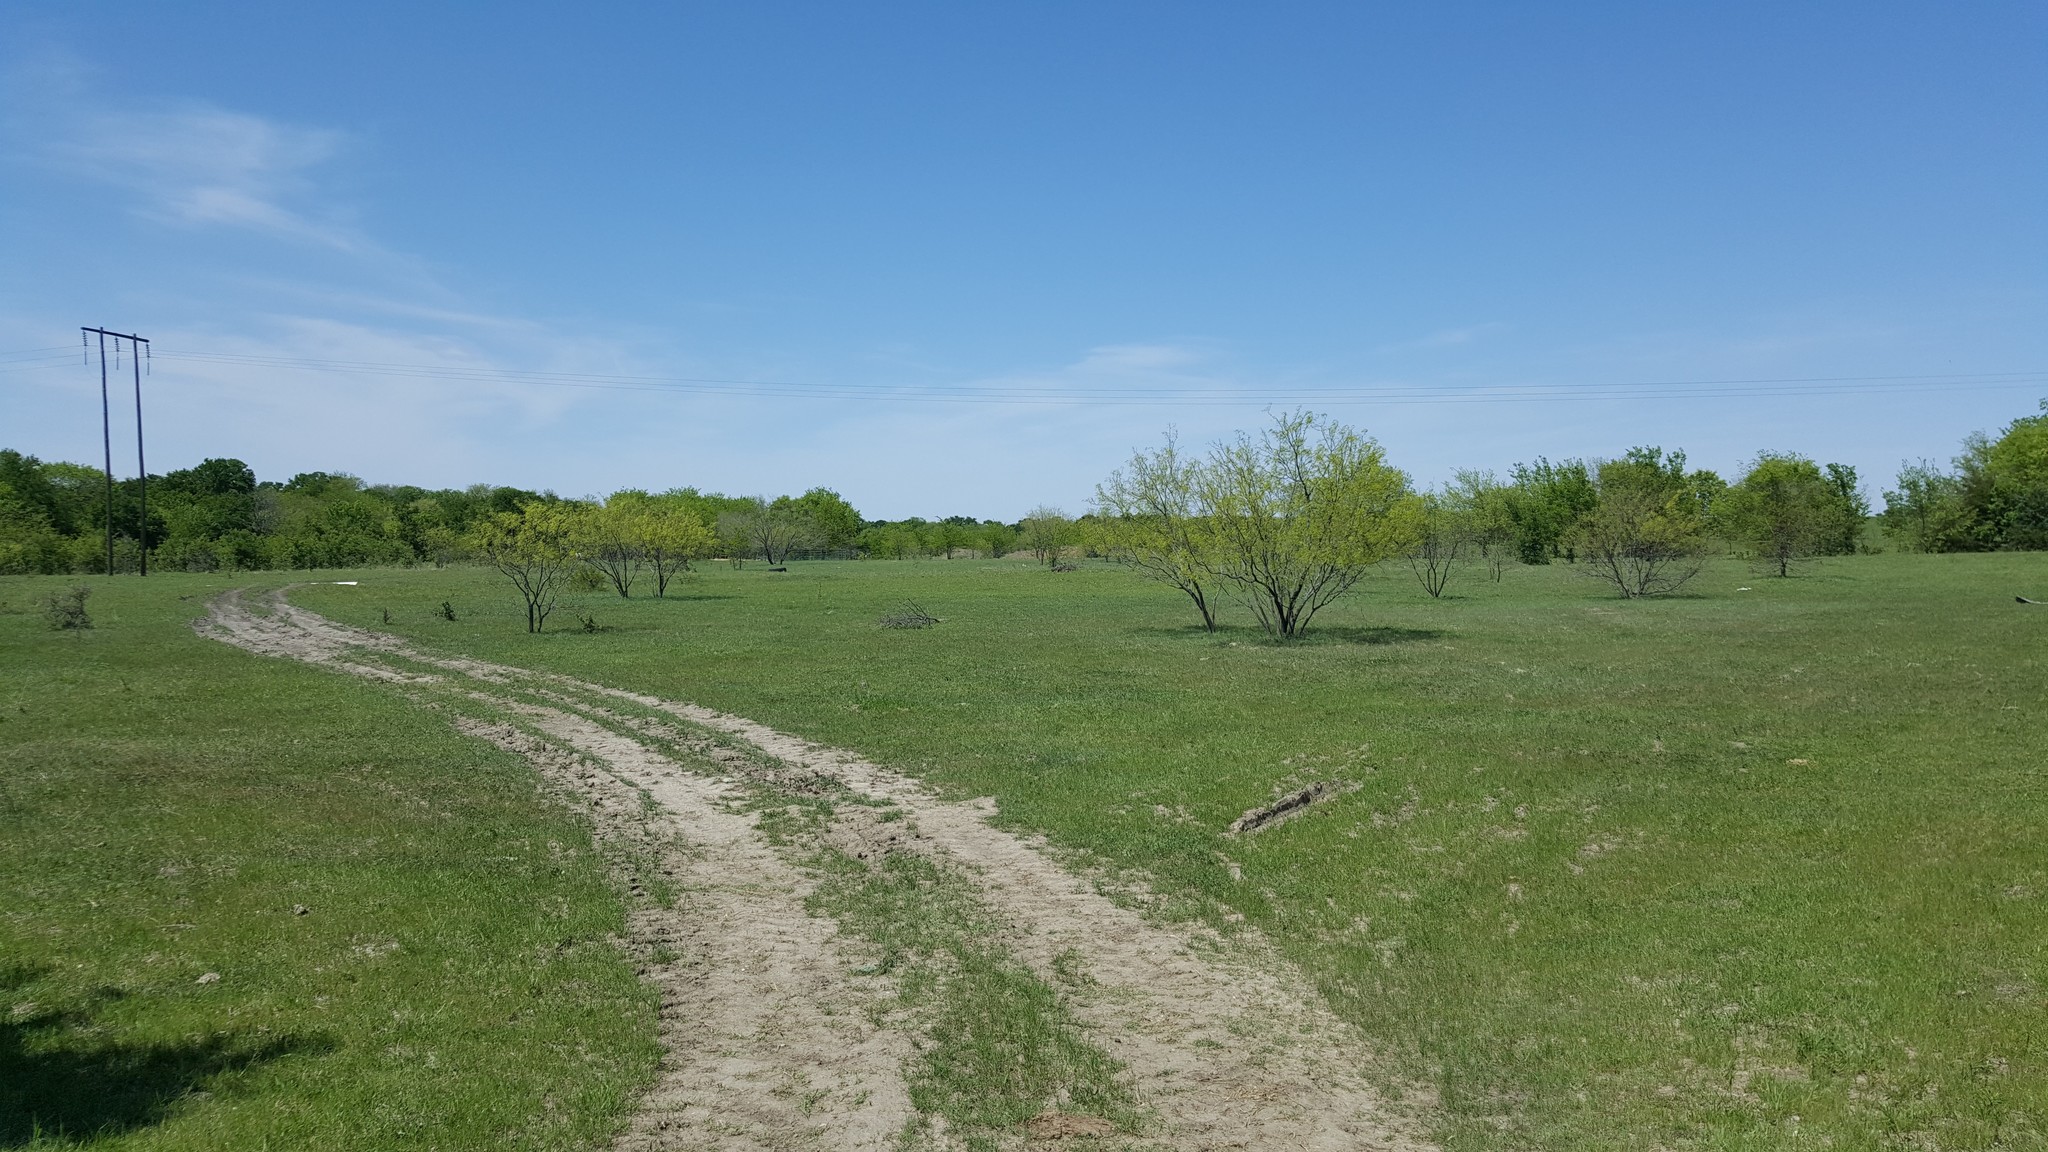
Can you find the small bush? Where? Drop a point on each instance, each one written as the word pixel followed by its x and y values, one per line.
pixel 587 621
pixel 911 615
pixel 447 610
pixel 586 579
pixel 66 610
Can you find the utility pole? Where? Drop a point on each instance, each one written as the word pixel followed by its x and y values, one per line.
pixel 138 347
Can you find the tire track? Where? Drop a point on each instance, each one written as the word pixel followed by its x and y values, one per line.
pixel 1224 1042
pixel 766 1043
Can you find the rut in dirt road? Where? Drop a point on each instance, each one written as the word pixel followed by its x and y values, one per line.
pixel 766 1044
pixel 1224 1044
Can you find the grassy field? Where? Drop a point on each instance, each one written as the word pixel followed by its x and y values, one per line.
pixel 249 904
pixel 1749 868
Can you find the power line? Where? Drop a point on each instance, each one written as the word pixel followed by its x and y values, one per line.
pixel 1126 394
pixel 35 359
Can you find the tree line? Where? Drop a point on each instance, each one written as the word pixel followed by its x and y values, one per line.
pixel 217 516
pixel 1283 522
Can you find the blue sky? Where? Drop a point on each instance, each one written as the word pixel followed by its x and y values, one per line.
pixel 1445 223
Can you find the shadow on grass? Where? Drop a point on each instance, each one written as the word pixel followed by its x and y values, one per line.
pixel 60 1085
pixel 686 596
pixel 1343 635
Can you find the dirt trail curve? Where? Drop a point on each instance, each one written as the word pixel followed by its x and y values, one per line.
pixel 1225 1043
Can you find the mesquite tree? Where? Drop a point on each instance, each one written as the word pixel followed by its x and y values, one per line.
pixel 534 548
pixel 1046 532
pixel 1442 532
pixel 606 538
pixel 773 530
pixel 1300 514
pixel 1151 520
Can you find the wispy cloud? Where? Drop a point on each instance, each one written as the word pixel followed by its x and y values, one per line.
pixel 1446 338
pixel 185 163
pixel 1138 358
pixel 207 167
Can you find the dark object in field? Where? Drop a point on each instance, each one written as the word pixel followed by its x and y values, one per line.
pixel 387 615
pixel 447 610
pixel 1065 566
pixel 778 569
pixel 2024 600
pixel 911 615
pixel 66 610
pixel 588 622
pixel 1288 806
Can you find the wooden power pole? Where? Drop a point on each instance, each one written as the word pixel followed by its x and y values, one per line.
pixel 138 346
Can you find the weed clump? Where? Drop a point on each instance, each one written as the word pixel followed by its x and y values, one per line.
pixel 447 610
pixel 587 621
pixel 911 615
pixel 66 610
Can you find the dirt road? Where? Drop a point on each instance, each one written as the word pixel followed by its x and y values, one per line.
pixel 771 1025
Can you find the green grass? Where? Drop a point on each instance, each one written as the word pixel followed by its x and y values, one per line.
pixel 1000 1045
pixel 1741 869
pixel 166 802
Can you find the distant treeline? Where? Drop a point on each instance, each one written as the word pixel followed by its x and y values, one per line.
pixel 217 515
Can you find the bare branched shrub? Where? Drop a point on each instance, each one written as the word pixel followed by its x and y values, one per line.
pixel 911 615
pixel 66 610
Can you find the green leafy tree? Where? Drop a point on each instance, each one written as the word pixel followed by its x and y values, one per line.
pixel 1149 518
pixel 28 544
pixel 1926 512
pixel 607 538
pixel 1545 503
pixel 1788 510
pixel 1854 506
pixel 2013 480
pixel 666 531
pixel 832 522
pixel 535 549
pixel 1046 532
pixel 1436 548
pixel 1300 514
pixel 996 538
pixel 953 534
pixel 31 541
pixel 1490 522
pixel 1996 498
pixel 768 530
pixel 1646 535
